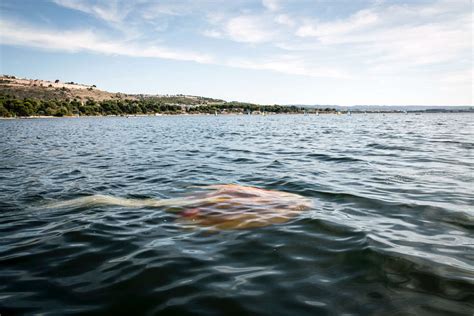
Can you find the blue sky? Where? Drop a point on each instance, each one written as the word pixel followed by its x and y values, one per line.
pixel 272 51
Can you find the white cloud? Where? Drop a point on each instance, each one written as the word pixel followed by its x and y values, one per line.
pixel 458 77
pixel 393 39
pixel 381 40
pixel 361 19
pixel 420 45
pixel 292 65
pixel 272 5
pixel 110 11
pixel 87 40
pixel 212 33
pixel 157 9
pixel 285 19
pixel 249 29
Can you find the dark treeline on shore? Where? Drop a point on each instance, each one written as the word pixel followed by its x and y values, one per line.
pixel 11 106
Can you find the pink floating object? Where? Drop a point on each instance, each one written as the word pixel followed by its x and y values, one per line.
pixel 190 212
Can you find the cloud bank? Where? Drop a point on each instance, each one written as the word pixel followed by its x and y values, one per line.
pixel 422 40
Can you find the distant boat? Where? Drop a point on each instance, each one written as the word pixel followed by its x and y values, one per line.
pixel 349 113
pixel 317 113
pixel 215 113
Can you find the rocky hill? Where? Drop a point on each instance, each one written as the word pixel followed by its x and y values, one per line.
pixel 32 98
pixel 54 90
pixel 22 88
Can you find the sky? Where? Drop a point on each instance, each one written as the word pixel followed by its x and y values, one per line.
pixel 340 52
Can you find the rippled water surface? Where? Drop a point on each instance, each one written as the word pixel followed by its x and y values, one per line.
pixel 391 229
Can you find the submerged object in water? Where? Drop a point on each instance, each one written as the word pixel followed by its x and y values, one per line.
pixel 227 206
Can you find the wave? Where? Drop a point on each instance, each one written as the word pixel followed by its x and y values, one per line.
pixel 392 147
pixel 326 157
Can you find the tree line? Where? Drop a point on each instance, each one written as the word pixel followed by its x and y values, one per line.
pixel 11 106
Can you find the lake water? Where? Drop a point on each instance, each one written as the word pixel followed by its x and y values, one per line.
pixel 391 230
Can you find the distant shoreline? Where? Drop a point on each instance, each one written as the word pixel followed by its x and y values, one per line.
pixel 222 114
pixel 33 99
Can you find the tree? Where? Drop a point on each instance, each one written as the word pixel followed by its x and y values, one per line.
pixel 4 112
pixel 62 111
